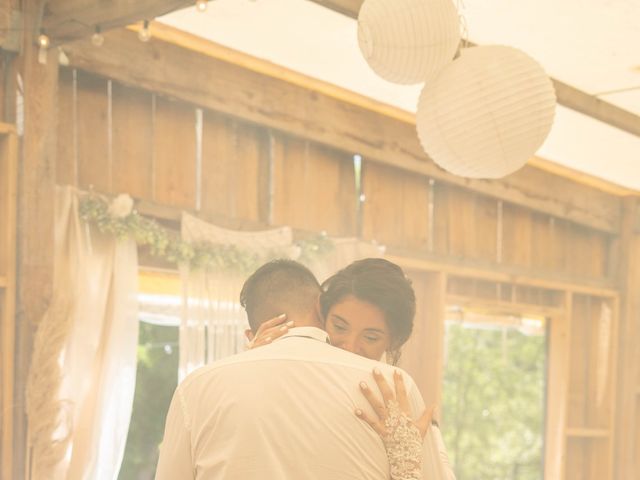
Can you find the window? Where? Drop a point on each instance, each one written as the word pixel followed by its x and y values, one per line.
pixel 494 395
pixel 157 372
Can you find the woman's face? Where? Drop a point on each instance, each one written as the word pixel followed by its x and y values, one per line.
pixel 359 327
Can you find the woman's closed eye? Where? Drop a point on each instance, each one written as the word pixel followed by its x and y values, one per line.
pixel 339 325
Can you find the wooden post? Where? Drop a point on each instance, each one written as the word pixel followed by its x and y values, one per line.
pixel 628 276
pixel 36 182
pixel 423 355
pixel 8 178
pixel 557 392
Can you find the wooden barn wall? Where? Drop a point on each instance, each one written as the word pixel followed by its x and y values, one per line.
pixel 227 82
pixel 114 138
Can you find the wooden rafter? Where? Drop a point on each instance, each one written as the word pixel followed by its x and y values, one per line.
pixel 66 20
pixel 567 95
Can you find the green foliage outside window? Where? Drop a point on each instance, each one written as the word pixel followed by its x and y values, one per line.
pixel 157 377
pixel 493 402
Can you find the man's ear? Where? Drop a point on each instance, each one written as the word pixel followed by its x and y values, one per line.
pixel 249 334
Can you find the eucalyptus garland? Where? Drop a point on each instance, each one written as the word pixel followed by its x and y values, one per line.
pixel 164 243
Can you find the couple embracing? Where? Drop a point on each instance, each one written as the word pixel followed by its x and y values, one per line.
pixel 311 399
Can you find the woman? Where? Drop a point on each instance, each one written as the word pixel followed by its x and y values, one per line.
pixel 368 309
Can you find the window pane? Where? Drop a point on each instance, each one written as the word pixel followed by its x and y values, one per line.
pixel 157 377
pixel 494 395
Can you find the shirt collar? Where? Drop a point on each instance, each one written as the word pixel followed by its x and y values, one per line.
pixel 309 332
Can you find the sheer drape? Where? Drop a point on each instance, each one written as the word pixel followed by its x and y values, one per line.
pixel 82 378
pixel 213 322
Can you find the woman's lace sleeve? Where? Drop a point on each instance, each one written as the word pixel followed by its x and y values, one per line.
pixel 403 443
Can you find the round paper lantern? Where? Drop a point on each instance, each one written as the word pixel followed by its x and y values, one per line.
pixel 487 113
pixel 408 41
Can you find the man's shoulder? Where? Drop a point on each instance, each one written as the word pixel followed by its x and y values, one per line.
pixel 206 371
pixel 292 352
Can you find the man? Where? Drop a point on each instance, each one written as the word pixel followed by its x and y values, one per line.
pixel 281 411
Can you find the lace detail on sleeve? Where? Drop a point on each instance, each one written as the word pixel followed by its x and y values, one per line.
pixel 403 443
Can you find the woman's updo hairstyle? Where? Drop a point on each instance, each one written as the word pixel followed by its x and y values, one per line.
pixel 380 283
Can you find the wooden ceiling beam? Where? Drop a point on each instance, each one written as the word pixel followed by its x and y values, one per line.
pixel 350 8
pixel 567 95
pixel 596 108
pixel 67 20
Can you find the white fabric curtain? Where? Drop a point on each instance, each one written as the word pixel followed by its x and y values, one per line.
pixel 82 378
pixel 213 322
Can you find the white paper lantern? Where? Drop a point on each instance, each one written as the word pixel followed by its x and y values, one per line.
pixel 408 41
pixel 487 113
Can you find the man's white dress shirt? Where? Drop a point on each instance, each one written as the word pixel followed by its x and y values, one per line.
pixel 283 411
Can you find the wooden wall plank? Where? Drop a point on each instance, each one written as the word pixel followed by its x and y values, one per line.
pixel 6 169
pixel 423 354
pixel 10 89
pixel 291 204
pixel 543 243
pixel 94 169
pixel 599 459
pixel 465 223
pixel 485 227
pixel 219 156
pixel 579 379
pixel 635 427
pixel 516 236
pixel 600 365
pixel 4 66
pixel 461 211
pixel 396 207
pixel 415 211
pixel 587 252
pixel 441 218
pixel 252 155
pixel 132 141
pixel 226 87
pixel 174 153
pixel 559 246
pixel 66 166
pixel 577 459
pixel 314 187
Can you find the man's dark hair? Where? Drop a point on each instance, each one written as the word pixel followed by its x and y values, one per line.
pixel 279 286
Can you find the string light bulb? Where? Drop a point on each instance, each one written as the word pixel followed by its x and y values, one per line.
pixel 145 34
pixel 43 43
pixel 201 5
pixel 97 38
pixel 43 40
